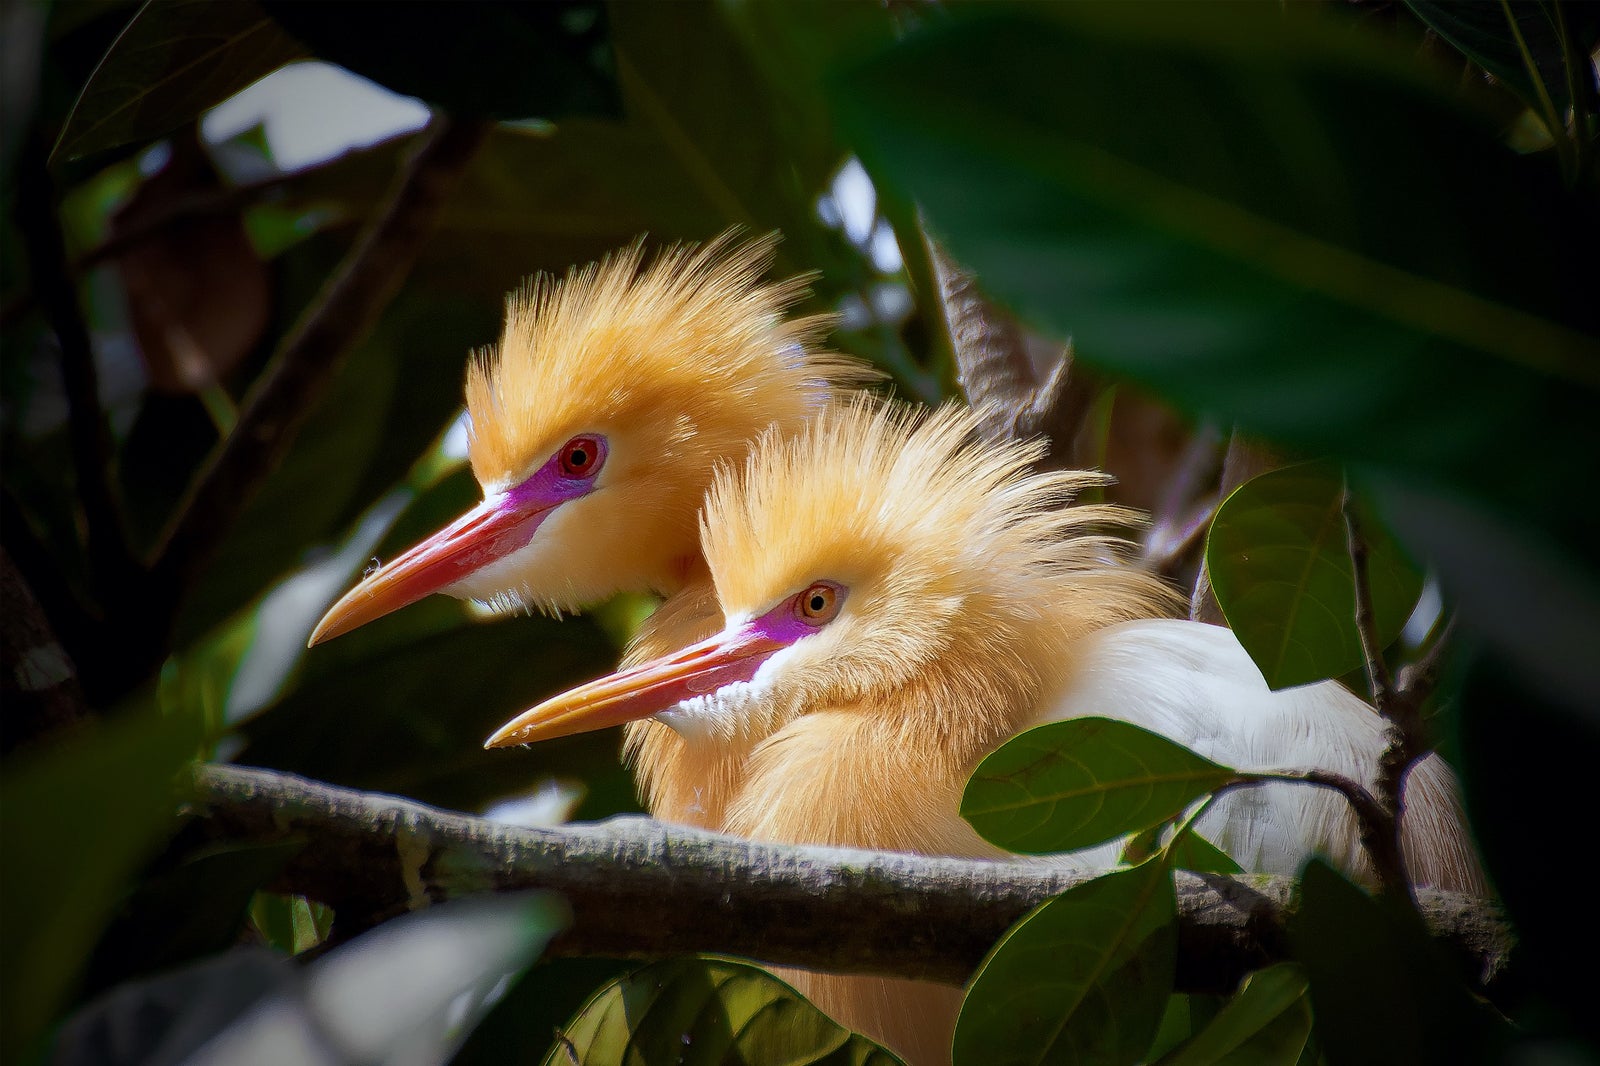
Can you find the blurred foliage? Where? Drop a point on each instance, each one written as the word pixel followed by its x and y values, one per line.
pixel 708 1010
pixel 1315 222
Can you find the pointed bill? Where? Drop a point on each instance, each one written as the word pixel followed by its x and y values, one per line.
pixel 492 530
pixel 730 656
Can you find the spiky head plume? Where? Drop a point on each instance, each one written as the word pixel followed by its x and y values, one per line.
pixel 966 577
pixel 676 365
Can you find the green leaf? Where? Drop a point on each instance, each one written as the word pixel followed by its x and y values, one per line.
pixel 1083 978
pixel 1267 1023
pixel 707 1010
pixel 76 818
pixel 1280 566
pixel 1198 855
pixel 1381 991
pixel 1073 784
pixel 490 59
pixel 176 59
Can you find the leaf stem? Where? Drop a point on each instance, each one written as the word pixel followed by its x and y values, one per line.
pixel 1558 130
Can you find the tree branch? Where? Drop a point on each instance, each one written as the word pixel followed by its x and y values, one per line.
pixel 337 320
pixel 1377 823
pixel 1366 622
pixel 639 889
pixel 38 220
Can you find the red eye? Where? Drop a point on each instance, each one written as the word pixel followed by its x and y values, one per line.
pixel 580 457
pixel 818 604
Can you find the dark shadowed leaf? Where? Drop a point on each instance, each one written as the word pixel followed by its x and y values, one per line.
pixel 1084 978
pixel 397 391
pixel 404 706
pixel 194 909
pixel 1482 31
pixel 1381 991
pixel 198 295
pixel 161 1020
pixel 708 1011
pixel 1267 1023
pixel 175 59
pixel 1074 784
pixel 76 817
pixel 539 1004
pixel 1280 566
pixel 1529 794
pixel 491 59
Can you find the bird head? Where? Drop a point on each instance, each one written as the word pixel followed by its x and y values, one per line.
pixel 597 421
pixel 883 561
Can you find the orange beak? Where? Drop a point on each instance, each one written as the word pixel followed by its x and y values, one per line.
pixel 700 669
pixel 490 531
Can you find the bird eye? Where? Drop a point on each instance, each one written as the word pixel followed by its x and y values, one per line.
pixel 580 456
pixel 818 604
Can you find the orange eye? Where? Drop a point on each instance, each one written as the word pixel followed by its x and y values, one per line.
pixel 818 604
pixel 579 457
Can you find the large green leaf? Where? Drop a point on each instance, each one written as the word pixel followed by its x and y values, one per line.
pixel 707 1010
pixel 76 817
pixel 174 60
pixel 1279 562
pixel 1074 784
pixel 492 58
pixel 1083 978
pixel 1267 1023
pixel 1246 208
pixel 1380 988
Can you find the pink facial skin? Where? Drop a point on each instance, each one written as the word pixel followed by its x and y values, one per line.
pixel 729 657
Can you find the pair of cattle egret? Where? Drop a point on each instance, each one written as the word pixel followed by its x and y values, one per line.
pixel 862 599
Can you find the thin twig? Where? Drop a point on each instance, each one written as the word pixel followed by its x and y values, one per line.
pixel 38 219
pixel 343 313
pixel 642 890
pixel 1377 823
pixel 1366 622
pixel 1417 680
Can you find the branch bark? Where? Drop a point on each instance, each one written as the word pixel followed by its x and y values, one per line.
pixel 642 890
